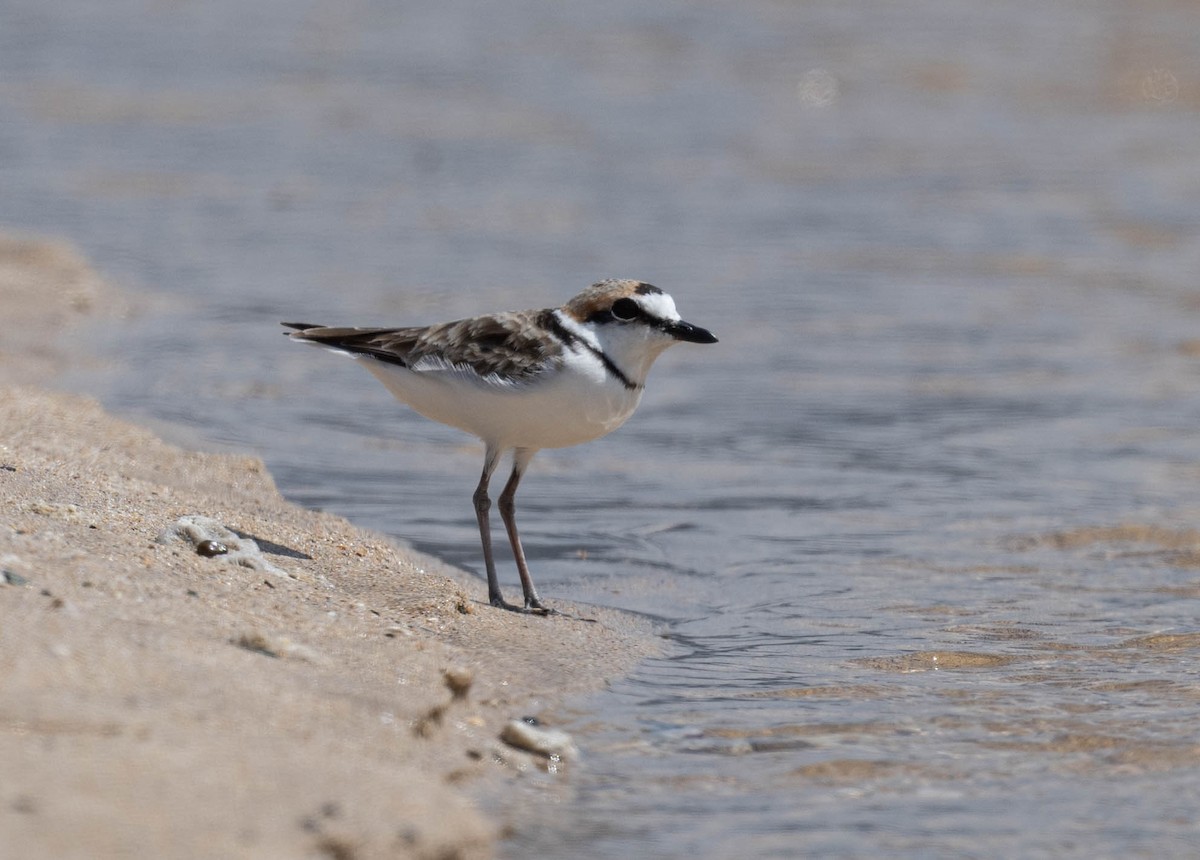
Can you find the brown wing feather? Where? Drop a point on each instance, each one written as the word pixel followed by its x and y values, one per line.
pixel 508 345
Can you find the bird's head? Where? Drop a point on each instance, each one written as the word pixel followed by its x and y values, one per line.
pixel 633 322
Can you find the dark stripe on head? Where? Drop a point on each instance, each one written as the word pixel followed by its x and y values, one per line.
pixel 644 289
pixel 622 310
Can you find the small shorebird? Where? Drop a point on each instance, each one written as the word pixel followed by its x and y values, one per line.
pixel 523 381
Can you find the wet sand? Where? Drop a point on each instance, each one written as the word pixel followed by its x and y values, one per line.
pixel 157 702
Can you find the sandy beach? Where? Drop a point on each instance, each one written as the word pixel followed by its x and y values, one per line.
pixel 333 696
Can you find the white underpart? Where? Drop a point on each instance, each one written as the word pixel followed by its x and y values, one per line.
pixel 580 401
pixel 567 407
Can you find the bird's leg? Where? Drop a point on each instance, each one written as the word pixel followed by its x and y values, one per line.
pixel 482 505
pixel 507 505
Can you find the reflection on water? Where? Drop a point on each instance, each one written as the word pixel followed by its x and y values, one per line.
pixel 921 529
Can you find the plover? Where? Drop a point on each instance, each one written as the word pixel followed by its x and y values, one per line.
pixel 522 381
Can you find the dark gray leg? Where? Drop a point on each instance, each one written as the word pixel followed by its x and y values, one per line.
pixel 507 505
pixel 482 506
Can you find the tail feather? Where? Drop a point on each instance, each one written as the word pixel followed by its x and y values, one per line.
pixel 348 341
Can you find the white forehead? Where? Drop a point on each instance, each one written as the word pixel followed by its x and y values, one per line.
pixel 658 305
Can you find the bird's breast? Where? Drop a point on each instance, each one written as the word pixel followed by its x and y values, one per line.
pixel 569 405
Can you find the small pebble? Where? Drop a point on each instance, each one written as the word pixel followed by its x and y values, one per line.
pixel 211 539
pixel 257 642
pixel 551 743
pixel 424 726
pixel 209 548
pixel 458 680
pixel 13 578
pixel 272 645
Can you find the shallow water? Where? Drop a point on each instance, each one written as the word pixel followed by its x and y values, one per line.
pixel 919 529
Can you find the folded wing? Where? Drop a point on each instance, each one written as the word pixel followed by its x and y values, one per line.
pixel 499 349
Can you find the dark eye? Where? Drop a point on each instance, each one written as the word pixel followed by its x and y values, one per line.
pixel 625 309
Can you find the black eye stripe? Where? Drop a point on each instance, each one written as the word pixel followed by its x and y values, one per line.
pixel 621 311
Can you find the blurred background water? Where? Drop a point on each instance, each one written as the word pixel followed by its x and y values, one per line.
pixel 920 529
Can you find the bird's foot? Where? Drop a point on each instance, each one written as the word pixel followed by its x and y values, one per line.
pixel 534 607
